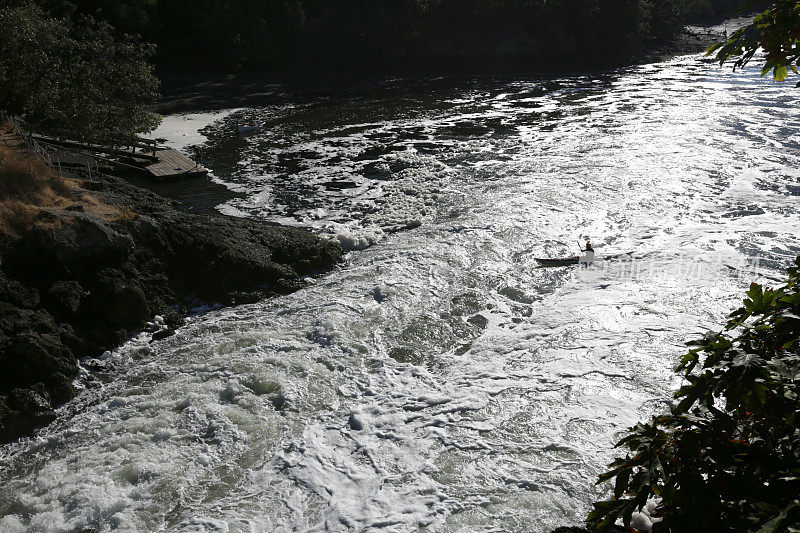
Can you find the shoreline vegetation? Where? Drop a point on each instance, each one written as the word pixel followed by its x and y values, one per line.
pixel 394 35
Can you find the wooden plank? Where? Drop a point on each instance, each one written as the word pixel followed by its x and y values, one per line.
pixel 172 163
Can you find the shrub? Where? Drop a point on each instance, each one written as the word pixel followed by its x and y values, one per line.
pixel 727 458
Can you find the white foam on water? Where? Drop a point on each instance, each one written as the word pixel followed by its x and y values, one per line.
pixel 439 379
pixel 183 130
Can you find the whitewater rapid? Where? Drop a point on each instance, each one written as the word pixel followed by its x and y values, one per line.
pixel 438 380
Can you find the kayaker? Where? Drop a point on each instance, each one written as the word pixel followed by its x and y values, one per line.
pixel 587 254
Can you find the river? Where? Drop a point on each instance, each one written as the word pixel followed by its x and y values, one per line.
pixel 438 380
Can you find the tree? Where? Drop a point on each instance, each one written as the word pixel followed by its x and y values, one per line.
pixel 227 35
pixel 76 80
pixel 354 32
pixel 776 30
pixel 708 11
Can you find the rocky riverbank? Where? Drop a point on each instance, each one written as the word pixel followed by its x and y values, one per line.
pixel 86 263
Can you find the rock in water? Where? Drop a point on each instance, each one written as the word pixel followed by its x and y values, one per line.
pixel 163 334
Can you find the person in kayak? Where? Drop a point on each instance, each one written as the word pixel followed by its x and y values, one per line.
pixel 587 255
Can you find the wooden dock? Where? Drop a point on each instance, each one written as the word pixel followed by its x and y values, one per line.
pixel 159 162
pixel 173 164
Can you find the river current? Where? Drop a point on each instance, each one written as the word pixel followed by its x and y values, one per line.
pixel 438 380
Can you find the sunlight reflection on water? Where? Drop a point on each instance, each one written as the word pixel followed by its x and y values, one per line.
pixel 439 379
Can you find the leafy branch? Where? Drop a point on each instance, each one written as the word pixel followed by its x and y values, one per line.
pixel 775 30
pixel 727 457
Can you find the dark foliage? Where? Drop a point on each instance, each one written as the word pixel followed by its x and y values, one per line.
pixel 348 33
pixel 207 33
pixel 77 78
pixel 710 11
pixel 776 30
pixel 727 458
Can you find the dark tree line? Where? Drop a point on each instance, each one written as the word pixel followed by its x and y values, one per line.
pixel 228 35
pixel 84 68
pixel 709 11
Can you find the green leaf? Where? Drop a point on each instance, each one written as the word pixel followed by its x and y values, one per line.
pixel 621 485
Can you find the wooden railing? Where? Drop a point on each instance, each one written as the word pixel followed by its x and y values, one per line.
pixel 111 150
pixel 46 152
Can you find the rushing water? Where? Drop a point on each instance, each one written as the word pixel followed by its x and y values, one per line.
pixel 438 380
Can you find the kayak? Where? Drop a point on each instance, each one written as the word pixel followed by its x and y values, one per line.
pixel 558 261
pixel 576 259
pixel 249 129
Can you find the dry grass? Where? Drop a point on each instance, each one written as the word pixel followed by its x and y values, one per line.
pixel 27 185
pixel 16 216
pixel 25 178
pixel 125 214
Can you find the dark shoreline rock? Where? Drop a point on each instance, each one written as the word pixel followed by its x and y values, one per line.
pixel 79 282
